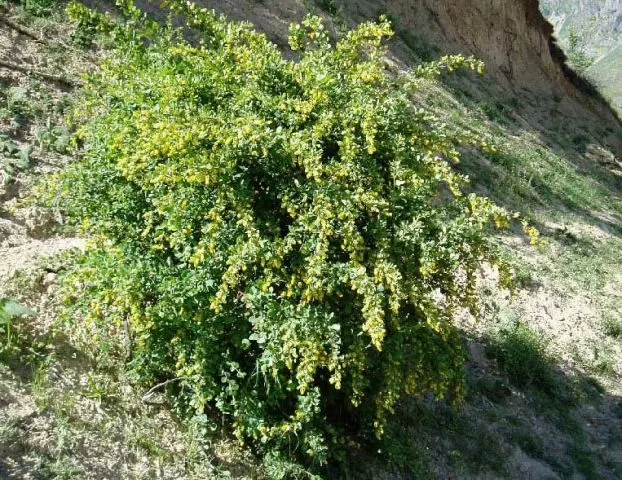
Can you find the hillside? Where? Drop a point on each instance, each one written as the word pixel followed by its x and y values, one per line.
pixel 599 27
pixel 544 366
pixel 598 22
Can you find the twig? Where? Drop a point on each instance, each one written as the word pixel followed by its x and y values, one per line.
pixel 23 30
pixel 153 389
pixel 45 76
pixel 128 337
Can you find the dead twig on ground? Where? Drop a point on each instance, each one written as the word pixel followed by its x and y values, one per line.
pixel 30 71
pixel 21 29
pixel 153 389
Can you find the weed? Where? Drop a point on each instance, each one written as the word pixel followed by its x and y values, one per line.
pixel 612 325
pixel 489 110
pixel 10 312
pixel 580 142
pixel 53 137
pixel 12 159
pixel 493 388
pixel 38 7
pixel 522 356
pixel 59 468
pixel 9 431
pixel 17 101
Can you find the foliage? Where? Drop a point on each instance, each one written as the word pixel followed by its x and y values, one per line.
pixel 10 312
pixel 53 137
pixel 12 158
pixel 577 55
pixel 38 7
pixel 285 239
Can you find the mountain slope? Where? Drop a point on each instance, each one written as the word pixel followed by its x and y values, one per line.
pixel 598 26
pixel 544 365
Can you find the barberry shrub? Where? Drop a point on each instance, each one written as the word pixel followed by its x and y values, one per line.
pixel 284 238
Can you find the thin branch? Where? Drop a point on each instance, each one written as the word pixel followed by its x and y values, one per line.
pixel 23 30
pixel 153 389
pixel 37 73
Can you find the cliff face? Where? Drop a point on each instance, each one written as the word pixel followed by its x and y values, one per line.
pixel 511 36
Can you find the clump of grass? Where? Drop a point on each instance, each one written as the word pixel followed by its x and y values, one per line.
pixel 521 355
pixel 612 326
pixel 529 443
pixel 492 388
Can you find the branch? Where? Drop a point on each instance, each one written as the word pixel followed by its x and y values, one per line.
pixel 153 389
pixel 37 73
pixel 23 30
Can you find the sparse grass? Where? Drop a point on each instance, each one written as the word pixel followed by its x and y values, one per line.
pixel 603 362
pixel 9 430
pixel 80 402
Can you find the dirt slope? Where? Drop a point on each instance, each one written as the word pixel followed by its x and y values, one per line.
pixel 556 161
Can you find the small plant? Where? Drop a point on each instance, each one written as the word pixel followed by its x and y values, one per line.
pixel 528 442
pixel 12 159
pixel 603 362
pixel 583 460
pixel 612 325
pixel 54 138
pixel 10 312
pixel 521 354
pixel 17 101
pixel 490 110
pixel 580 142
pixel 577 54
pixel 38 7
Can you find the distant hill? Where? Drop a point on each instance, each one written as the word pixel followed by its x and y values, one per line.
pixel 598 25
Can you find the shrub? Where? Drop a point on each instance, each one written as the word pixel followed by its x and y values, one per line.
pixel 285 239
